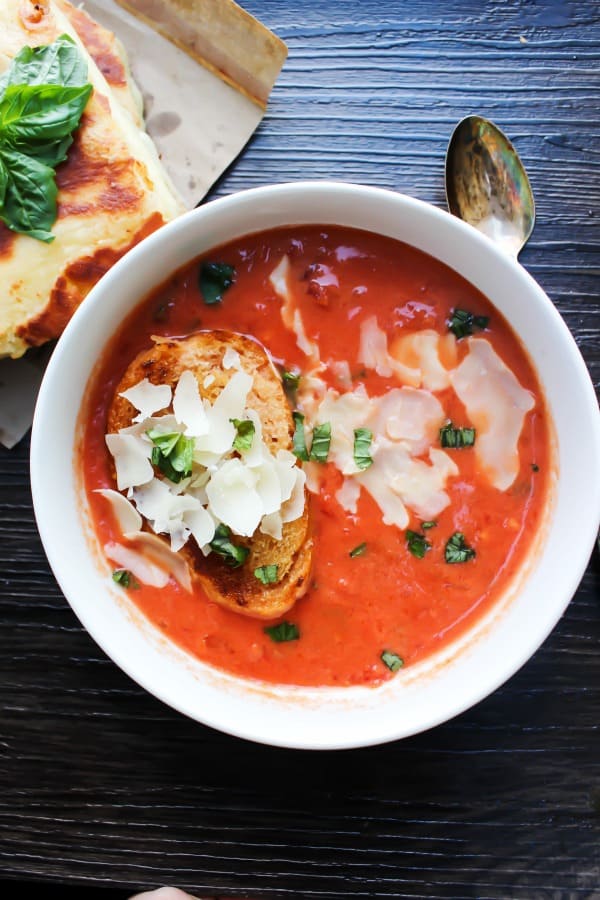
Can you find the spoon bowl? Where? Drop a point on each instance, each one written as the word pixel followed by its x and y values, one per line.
pixel 487 185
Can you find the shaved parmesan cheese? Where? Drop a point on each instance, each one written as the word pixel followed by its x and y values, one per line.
pixel 128 518
pixel 347 496
pixel 231 359
pixel 148 398
pixel 210 379
pixel 157 550
pixel 421 351
pixel 132 459
pixel 418 484
pixel 290 315
pixel 373 354
pixel 410 416
pixel 272 525
pixel 405 422
pixel 201 525
pixel 279 280
pixel 137 564
pixel 234 499
pixel 496 405
pixel 293 508
pixel 188 407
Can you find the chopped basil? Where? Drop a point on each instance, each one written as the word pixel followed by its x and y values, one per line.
pixel 358 551
pixel 426 525
pixel 456 438
pixel 462 322
pixel 214 279
pixel 362 446
pixel 285 631
pixel 42 97
pixel 291 380
pixel 234 555
pixel 417 543
pixel 321 439
pixel 266 574
pixel 172 453
pixel 125 578
pixel 457 550
pixel 392 660
pixel 245 434
pixel 299 439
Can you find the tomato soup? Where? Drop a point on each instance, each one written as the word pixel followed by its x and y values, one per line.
pixel 388 586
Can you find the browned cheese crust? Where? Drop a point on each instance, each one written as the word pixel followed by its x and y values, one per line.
pixel 202 353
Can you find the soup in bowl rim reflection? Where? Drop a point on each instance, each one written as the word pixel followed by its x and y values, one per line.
pixel 428 692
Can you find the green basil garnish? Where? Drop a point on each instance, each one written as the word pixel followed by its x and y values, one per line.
pixel 321 440
pixel 172 453
pixel 234 555
pixel 426 525
pixel 392 660
pixel 417 543
pixel 266 574
pixel 291 380
pixel 214 279
pixel 42 97
pixel 245 433
pixel 457 550
pixel 456 438
pixel 462 322
pixel 125 578
pixel 362 447
pixel 299 439
pixel 285 631
pixel 358 551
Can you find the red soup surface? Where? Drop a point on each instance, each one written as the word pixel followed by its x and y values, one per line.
pixel 392 597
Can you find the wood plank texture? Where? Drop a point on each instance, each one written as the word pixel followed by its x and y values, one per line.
pixel 102 785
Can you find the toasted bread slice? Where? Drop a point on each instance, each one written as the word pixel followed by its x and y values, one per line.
pixel 202 353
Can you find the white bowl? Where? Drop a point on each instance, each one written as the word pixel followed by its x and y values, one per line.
pixel 427 693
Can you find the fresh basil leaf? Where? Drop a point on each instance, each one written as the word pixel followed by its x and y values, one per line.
pixel 29 203
pixel 172 453
pixel 456 438
pixel 234 555
pixel 462 322
pixel 125 578
pixel 42 97
pixel 426 525
pixel 299 439
pixel 244 434
pixel 214 279
pixel 266 574
pixel 392 660
pixel 417 543
pixel 285 631
pixel 40 114
pixel 56 63
pixel 321 440
pixel 358 550
pixel 457 550
pixel 291 380
pixel 362 447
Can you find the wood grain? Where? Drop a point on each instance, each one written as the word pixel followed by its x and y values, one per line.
pixel 102 785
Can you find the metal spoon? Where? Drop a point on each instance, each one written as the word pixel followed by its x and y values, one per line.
pixel 487 185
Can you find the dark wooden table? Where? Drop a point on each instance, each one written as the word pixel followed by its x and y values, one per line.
pixel 102 785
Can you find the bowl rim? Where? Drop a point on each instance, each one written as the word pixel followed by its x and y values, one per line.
pixel 84 318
